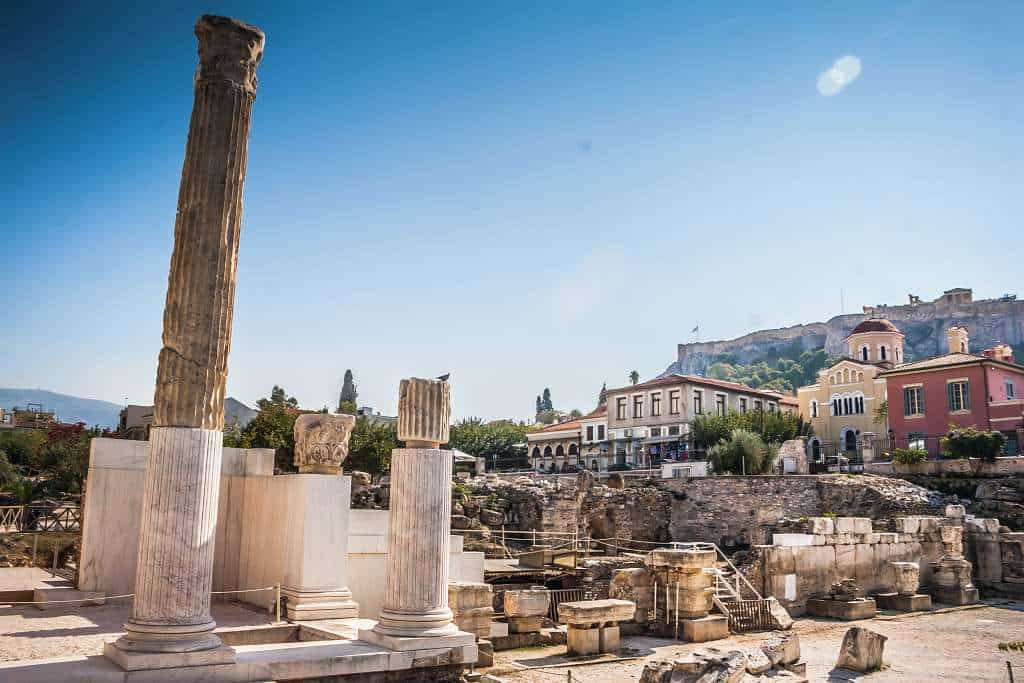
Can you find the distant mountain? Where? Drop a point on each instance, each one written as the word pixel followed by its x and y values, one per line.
pixel 68 408
pixel 237 412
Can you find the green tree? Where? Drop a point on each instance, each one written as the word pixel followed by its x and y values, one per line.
pixel 547 404
pixel 575 413
pixel 602 396
pixel 370 446
pixel 634 377
pixel 273 427
pixel 278 397
pixel 349 396
pixel 882 413
pixel 743 452
pixel 496 441
pixel 8 472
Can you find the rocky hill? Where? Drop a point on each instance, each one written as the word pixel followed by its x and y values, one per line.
pixel 924 323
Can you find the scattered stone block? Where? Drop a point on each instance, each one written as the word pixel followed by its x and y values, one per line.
pixel 907 576
pixel 704 629
pixel 861 650
pixel 821 525
pixel 485 653
pixel 782 648
pixel 53 598
pixel 710 666
pixel 492 518
pixel 530 602
pixel 524 624
pixel 955 511
pixel 781 620
pixel 906 525
pixel 758 662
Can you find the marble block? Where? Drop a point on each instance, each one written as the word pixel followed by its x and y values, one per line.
pixel 424 412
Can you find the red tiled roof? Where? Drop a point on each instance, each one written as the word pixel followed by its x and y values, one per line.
pixel 566 426
pixel 676 378
pixel 949 360
pixel 875 325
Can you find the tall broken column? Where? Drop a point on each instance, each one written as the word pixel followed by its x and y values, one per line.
pixel 416 583
pixel 171 612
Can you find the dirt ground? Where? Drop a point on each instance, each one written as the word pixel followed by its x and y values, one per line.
pixel 947 645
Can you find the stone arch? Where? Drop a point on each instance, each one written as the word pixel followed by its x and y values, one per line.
pixel 536 451
pixel 559 451
pixel 573 450
pixel 547 451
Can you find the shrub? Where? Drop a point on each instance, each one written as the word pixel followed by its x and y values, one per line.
pixel 967 442
pixel 743 451
pixel 909 456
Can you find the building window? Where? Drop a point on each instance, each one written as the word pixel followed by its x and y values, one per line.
pixel 757 404
pixel 896 353
pixel 915 440
pixel 1010 390
pixel 638 407
pixel 771 407
pixel 860 405
pixel 743 404
pixel 883 353
pixel 620 408
pixel 913 401
pixel 959 396
pixel 656 404
pixel 590 432
pixel 673 431
pixel 698 403
pixel 814 409
pixel 864 353
pixel 600 432
pixel 720 404
pixel 655 431
pixel 673 402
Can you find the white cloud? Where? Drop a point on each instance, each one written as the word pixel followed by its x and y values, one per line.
pixel 834 79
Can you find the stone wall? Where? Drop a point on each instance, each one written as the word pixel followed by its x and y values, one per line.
pixel 801 565
pixel 739 511
pixel 1000 468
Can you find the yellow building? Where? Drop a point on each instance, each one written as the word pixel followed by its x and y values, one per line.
pixel 841 406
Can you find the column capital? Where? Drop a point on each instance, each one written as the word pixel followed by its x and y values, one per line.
pixel 229 50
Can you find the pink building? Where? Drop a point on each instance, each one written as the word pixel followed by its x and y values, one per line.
pixel 959 388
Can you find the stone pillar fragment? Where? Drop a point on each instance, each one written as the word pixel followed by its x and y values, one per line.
pixel 416 583
pixel 171 610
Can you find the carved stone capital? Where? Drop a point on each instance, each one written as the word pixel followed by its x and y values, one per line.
pixel 321 442
pixel 229 50
pixel 424 412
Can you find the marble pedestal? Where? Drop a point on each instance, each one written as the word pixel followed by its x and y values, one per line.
pixel 956 596
pixel 315 546
pixel 846 610
pixel 917 602
pixel 416 582
pixel 711 627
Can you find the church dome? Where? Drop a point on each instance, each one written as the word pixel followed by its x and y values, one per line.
pixel 875 325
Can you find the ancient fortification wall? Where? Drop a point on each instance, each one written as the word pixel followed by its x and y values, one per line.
pixel 990 321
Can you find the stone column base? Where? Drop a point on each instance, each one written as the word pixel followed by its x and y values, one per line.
pixel 455 638
pixel 416 624
pixel 308 605
pixel 134 660
pixel 956 596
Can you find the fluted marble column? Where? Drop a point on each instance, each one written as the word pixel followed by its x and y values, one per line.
pixel 419 521
pixel 174 570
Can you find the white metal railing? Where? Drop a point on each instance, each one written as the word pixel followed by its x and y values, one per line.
pixel 11 517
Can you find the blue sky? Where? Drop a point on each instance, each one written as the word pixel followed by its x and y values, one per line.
pixel 524 194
